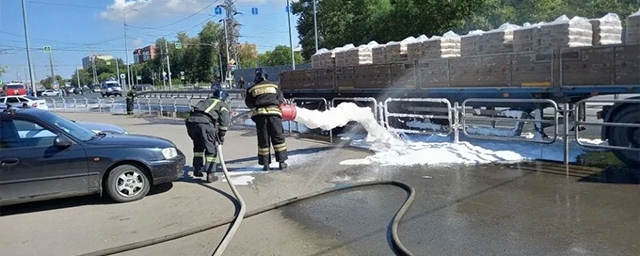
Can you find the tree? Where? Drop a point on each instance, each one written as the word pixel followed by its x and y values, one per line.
pixel 48 82
pixel 85 78
pixel 248 56
pixel 281 55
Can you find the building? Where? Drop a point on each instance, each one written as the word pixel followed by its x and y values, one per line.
pixel 88 61
pixel 144 54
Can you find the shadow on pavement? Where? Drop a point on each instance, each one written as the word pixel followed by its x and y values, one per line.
pixel 612 175
pixel 62 203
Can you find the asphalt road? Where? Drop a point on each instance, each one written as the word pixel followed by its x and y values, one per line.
pixel 517 209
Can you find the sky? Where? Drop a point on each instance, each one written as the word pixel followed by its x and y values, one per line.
pixel 77 28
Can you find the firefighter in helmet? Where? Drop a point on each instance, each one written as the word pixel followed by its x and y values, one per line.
pixel 207 125
pixel 264 99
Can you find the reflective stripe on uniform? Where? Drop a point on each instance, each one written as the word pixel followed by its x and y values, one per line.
pixel 272 110
pixel 223 128
pixel 198 153
pixel 211 159
pixel 223 109
pixel 280 147
pixel 263 151
pixel 213 105
pixel 263 89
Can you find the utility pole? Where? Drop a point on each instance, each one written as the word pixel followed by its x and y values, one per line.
pixel 231 35
pixel 293 60
pixel 78 77
pixel 118 71
pixel 126 49
pixel 168 64
pixel 315 23
pixel 53 76
pixel 26 39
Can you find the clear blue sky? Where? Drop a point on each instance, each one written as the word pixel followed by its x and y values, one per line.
pixel 71 27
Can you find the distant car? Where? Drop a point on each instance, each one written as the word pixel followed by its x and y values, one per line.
pixel 111 88
pixel 51 93
pixel 45 156
pixel 22 101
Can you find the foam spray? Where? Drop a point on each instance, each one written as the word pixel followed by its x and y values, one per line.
pixel 342 114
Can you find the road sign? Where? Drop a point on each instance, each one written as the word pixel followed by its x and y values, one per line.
pixel 181 77
pixel 254 10
pixel 139 77
pixel 217 10
pixel 108 63
pixel 47 49
pixel 164 73
pixel 178 45
pixel 182 73
pixel 232 62
pixel 122 76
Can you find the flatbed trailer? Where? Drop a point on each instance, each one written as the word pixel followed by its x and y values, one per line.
pixel 563 76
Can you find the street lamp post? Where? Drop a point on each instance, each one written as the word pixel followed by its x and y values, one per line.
pixel 26 39
pixel 315 23
pixel 126 48
pixel 293 60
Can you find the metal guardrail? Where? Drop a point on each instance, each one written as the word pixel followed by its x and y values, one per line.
pixel 387 114
pixel 577 121
pixel 466 117
pixel 457 115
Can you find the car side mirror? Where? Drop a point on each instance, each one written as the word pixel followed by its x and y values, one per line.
pixel 62 141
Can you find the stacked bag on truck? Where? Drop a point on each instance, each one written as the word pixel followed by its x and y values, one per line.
pixel 417 49
pixel 633 28
pixel 447 46
pixel 607 30
pixel 350 55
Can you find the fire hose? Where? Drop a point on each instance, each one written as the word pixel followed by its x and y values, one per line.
pixel 235 221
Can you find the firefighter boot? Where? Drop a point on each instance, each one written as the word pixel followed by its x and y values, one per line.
pixel 283 165
pixel 265 167
pixel 211 169
pixel 197 172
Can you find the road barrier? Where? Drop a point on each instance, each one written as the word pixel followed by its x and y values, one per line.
pixel 457 117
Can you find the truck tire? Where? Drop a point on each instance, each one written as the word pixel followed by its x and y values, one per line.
pixel 626 137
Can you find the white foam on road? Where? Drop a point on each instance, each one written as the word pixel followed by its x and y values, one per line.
pixel 241 180
pixel 441 150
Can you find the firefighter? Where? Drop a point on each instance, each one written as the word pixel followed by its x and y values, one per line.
pixel 131 95
pixel 264 98
pixel 207 125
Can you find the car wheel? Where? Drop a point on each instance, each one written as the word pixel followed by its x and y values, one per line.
pixel 127 183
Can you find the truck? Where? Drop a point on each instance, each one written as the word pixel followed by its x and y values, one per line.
pixel 566 75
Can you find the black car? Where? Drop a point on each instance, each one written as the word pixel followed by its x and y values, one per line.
pixel 45 156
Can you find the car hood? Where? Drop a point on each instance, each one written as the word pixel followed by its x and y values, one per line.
pixel 131 141
pixel 101 127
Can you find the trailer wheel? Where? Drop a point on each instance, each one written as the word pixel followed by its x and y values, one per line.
pixel 626 137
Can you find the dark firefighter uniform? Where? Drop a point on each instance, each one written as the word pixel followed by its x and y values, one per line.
pixel 264 98
pixel 131 95
pixel 207 125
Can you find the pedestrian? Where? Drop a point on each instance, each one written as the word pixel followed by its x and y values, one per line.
pixel 264 99
pixel 131 95
pixel 241 83
pixel 207 125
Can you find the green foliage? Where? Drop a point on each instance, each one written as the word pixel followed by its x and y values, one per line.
pixel 281 55
pixel 48 82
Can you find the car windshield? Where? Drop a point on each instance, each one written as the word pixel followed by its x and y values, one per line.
pixel 31 97
pixel 112 85
pixel 15 86
pixel 68 126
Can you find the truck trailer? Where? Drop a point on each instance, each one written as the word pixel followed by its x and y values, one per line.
pixel 566 75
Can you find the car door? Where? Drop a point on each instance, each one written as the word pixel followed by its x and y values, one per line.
pixel 32 166
pixel 13 101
